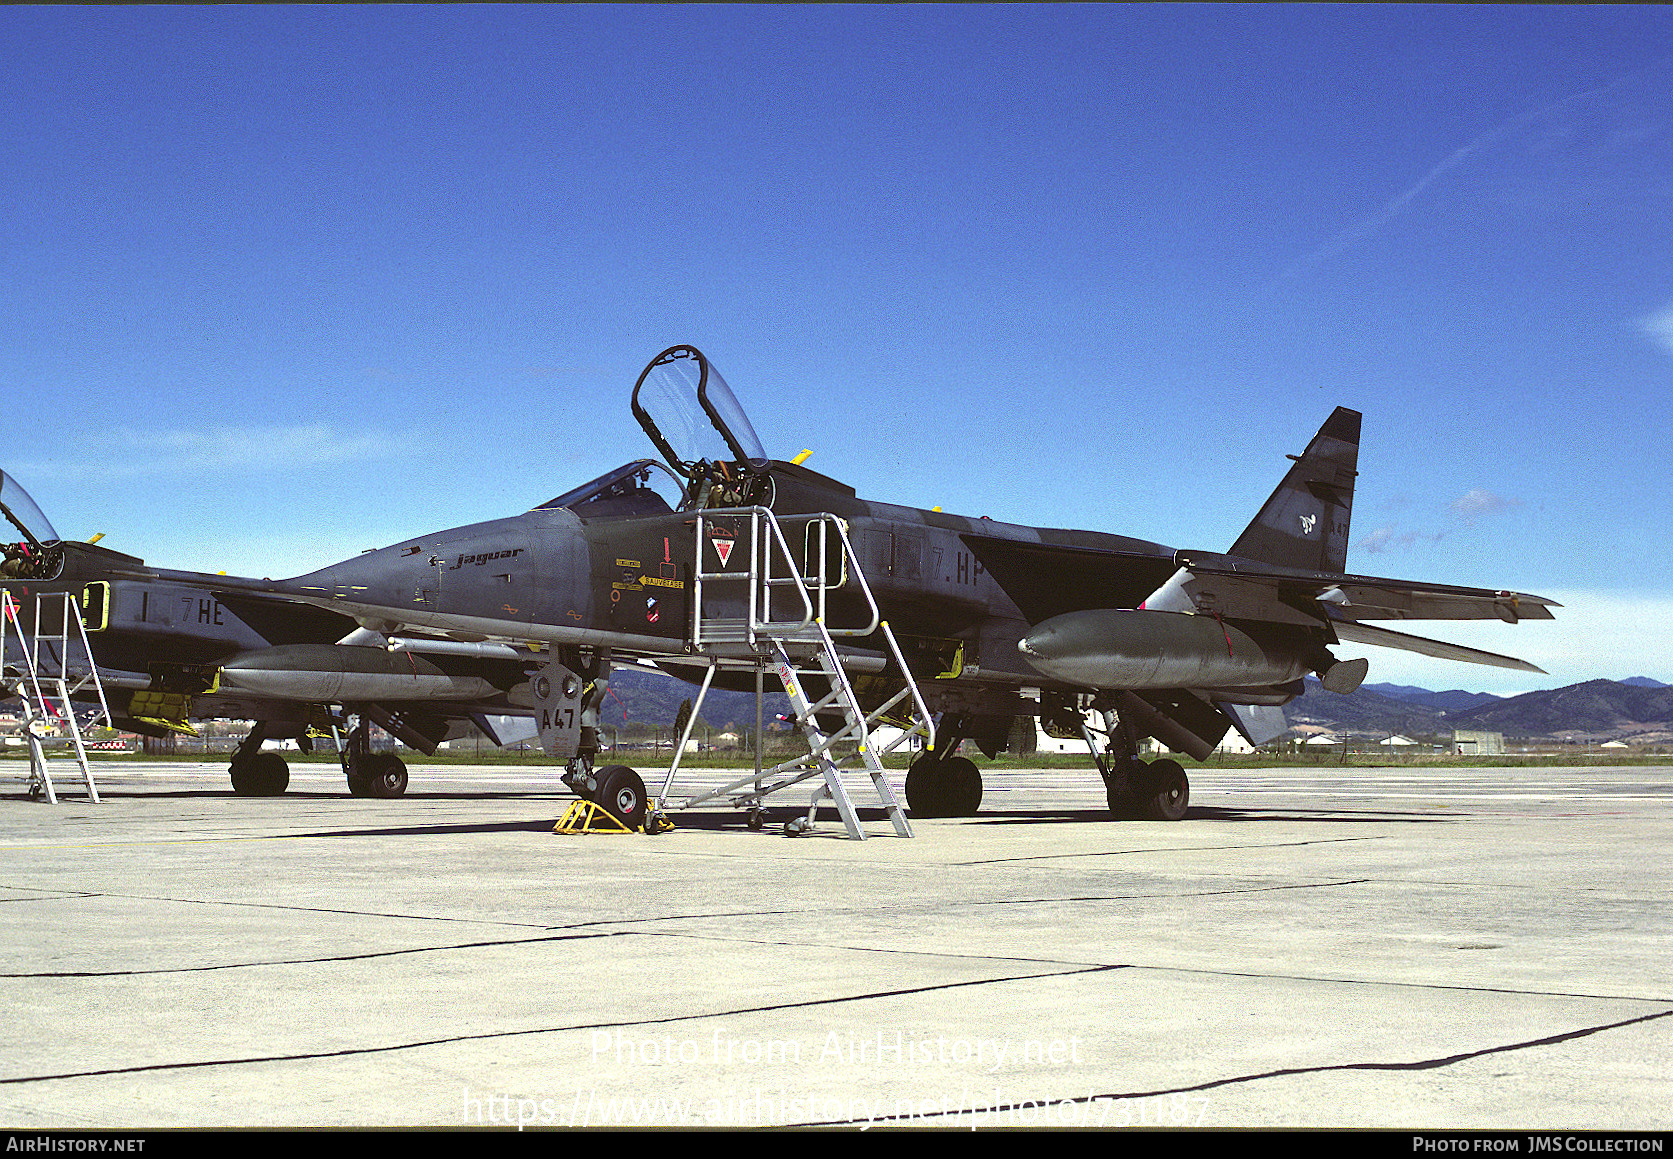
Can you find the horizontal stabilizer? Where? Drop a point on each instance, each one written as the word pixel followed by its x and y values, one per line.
pixel 1350 631
pixel 1246 589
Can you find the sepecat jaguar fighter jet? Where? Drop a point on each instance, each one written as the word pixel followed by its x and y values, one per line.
pixel 717 562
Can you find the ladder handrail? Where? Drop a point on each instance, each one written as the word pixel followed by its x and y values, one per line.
pixel 760 585
pixel 28 650
pixel 928 729
pixel 812 588
pixel 825 520
pixel 67 599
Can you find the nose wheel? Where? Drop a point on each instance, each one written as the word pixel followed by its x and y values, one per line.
pixel 621 793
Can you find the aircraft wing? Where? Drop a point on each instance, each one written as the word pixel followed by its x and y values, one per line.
pixel 1238 589
pixel 1046 580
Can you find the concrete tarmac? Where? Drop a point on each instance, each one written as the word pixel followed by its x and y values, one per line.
pixel 1359 948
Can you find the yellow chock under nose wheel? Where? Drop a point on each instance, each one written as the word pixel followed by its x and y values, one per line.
pixel 589 817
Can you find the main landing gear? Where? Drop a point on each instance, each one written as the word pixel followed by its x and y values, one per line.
pixel 1136 789
pixel 1147 791
pixel 371 774
pixel 938 786
pixel 255 773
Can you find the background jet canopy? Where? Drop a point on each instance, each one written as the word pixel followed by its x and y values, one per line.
pixel 21 509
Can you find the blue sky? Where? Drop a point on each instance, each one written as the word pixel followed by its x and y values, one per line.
pixel 281 284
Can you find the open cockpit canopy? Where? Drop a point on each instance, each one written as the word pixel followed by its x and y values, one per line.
pixel 693 417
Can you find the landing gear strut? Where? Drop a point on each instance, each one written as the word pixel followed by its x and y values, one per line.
pixel 255 773
pixel 371 774
pixel 1136 789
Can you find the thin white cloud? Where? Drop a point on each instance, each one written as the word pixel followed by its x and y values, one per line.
pixel 1389 537
pixel 1660 328
pixel 1478 502
pixel 1467 511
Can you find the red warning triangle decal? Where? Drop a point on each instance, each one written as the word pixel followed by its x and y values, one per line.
pixel 723 548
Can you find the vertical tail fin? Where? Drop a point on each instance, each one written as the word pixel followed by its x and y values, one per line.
pixel 1305 522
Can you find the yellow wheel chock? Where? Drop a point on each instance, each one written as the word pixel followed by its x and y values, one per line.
pixel 589 817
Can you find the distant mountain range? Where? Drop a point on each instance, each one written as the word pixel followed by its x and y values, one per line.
pixel 1638 708
pixel 1453 701
pixel 640 696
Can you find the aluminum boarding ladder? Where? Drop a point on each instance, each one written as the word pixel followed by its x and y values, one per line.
pixel 799 644
pixel 31 682
pixel 822 745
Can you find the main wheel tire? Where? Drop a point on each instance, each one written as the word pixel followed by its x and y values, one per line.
pixel 951 787
pixel 1167 794
pixel 260 775
pixel 1118 793
pixel 963 786
pixel 622 795
pixel 386 776
pixel 926 794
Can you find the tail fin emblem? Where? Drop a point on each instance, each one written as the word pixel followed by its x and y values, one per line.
pixel 1308 522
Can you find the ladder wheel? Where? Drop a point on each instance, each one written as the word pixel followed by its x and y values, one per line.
pixel 755 820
